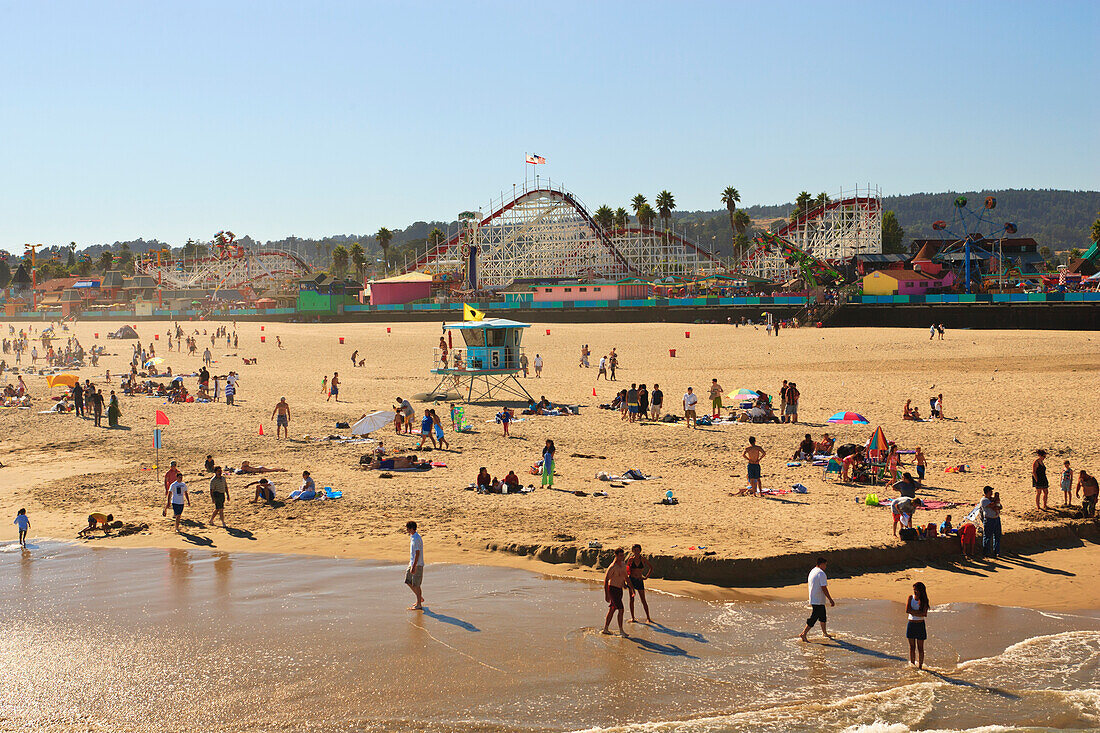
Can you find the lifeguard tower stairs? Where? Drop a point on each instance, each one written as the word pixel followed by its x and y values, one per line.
pixel 485 364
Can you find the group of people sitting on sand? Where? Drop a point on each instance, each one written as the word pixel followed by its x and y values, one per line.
pixel 809 448
pixel 935 409
pixel 487 484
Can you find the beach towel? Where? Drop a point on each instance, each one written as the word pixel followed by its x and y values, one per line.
pixel 934 504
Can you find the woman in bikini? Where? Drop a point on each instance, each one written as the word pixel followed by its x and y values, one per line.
pixel 916 608
pixel 640 570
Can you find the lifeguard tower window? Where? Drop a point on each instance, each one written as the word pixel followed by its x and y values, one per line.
pixel 474 337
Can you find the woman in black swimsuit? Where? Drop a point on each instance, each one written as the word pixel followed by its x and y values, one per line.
pixel 640 570
pixel 1039 479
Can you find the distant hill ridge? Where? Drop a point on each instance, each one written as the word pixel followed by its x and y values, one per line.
pixel 1056 219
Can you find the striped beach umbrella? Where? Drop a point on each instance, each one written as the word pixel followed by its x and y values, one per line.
pixel 848 418
pixel 744 395
pixel 878 441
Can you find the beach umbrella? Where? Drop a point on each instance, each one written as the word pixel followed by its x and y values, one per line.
pixel 743 395
pixel 156 360
pixel 877 441
pixel 848 418
pixel 374 421
pixel 66 380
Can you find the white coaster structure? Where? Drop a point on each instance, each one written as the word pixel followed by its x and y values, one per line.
pixel 847 225
pixel 229 267
pixel 545 231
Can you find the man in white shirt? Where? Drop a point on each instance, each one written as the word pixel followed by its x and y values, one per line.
pixel 819 593
pixel 538 367
pixel 177 495
pixel 414 576
pixel 690 401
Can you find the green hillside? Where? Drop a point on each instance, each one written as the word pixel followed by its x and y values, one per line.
pixel 1056 219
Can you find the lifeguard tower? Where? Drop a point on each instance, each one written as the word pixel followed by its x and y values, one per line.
pixel 484 363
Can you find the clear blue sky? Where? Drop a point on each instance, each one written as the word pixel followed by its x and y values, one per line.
pixel 177 119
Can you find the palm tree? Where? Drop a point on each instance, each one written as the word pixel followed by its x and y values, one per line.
pixel 384 237
pixel 801 204
pixel 665 204
pixel 358 259
pixel 71 261
pixel 646 215
pixel 604 217
pixel 435 237
pixel 621 218
pixel 105 260
pixel 822 199
pixel 339 259
pixel 637 203
pixel 731 197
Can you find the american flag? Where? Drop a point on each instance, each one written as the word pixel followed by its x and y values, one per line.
pixel 535 159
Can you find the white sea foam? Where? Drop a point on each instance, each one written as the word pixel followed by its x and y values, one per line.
pixel 909 702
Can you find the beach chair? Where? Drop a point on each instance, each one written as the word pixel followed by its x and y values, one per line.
pixel 832 467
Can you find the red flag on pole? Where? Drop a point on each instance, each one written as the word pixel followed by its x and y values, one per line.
pixel 162 419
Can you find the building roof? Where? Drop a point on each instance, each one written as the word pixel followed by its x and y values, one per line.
pixel 408 277
pixel 487 323
pixel 112 279
pixel 56 284
pixel 907 275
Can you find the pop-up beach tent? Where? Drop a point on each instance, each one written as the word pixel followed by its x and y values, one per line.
pixel 369 423
pixel 123 333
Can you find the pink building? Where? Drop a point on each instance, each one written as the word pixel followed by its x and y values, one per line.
pixel 906 282
pixel 577 292
pixel 401 289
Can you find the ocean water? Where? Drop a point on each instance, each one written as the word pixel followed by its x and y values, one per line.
pixel 98 639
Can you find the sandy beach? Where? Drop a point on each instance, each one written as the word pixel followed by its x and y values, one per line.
pixel 1005 394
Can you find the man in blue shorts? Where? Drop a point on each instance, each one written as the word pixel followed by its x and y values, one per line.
pixel 281 413
pixel 753 454
pixel 177 495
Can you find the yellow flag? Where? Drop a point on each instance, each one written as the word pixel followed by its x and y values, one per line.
pixel 471 314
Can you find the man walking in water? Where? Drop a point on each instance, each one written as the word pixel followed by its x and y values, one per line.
pixel 614 582
pixel 414 576
pixel 819 593
pixel 753 454
pixel 281 413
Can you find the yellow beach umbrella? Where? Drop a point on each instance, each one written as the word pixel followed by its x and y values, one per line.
pixel 67 380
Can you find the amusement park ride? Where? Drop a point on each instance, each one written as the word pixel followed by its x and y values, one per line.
pixel 544 231
pixel 969 233
pixel 229 266
pixel 819 239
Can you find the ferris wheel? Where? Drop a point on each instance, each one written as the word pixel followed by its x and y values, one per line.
pixel 972 231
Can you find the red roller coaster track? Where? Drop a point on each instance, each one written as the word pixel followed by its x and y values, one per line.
pixel 605 239
pixel 818 211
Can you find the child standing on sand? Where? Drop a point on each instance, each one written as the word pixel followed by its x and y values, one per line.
pixel 921 462
pixel 1067 485
pixel 23 523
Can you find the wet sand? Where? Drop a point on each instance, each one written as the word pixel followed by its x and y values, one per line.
pixel 174 640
